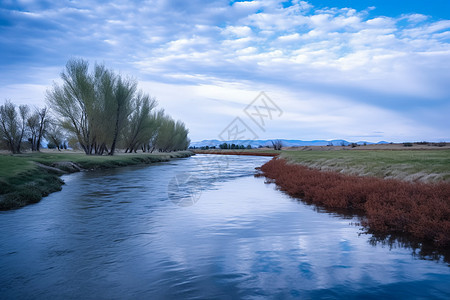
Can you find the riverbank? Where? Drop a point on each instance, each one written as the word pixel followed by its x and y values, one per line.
pixel 388 206
pixel 396 191
pixel 26 178
pixel 418 164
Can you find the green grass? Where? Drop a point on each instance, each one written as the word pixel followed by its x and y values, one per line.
pixel 23 181
pixel 12 165
pixel 424 165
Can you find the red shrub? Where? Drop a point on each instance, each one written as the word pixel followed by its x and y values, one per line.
pixel 390 206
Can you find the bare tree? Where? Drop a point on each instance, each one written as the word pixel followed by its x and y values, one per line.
pixel 33 127
pixel 37 123
pixel 13 125
pixel 277 144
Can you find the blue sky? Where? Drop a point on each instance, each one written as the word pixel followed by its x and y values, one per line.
pixel 357 70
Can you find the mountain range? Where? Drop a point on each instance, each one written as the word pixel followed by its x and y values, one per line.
pixel 286 143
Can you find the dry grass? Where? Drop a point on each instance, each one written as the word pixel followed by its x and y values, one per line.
pixel 406 165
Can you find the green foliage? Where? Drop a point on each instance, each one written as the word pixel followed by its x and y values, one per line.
pixel 171 135
pixel 234 146
pixel 102 109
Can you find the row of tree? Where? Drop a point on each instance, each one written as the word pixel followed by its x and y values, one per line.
pixel 97 111
pixel 234 146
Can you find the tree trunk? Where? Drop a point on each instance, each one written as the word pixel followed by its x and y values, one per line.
pixel 116 132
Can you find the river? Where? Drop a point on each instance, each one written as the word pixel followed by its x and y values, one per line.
pixel 197 228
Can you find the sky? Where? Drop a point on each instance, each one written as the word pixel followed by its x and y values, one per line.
pixel 356 70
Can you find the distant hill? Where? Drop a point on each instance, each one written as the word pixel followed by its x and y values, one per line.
pixel 286 143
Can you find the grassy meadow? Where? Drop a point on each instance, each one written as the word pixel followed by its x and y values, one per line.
pixel 409 165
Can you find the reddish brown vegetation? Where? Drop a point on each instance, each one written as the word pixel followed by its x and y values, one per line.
pixel 235 152
pixel 389 206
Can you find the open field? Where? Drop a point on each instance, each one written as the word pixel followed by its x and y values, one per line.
pixel 26 178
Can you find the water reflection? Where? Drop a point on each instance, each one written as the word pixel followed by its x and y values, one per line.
pixel 117 234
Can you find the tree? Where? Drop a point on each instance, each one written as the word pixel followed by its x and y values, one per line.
pixel 74 101
pixel 55 135
pixel 141 124
pixel 37 123
pixel 101 110
pixel 123 95
pixel 171 135
pixel 13 125
pixel 277 144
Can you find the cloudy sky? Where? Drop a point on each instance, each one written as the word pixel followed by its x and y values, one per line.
pixel 358 70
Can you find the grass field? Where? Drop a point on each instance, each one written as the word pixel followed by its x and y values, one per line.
pixel 26 178
pixel 409 165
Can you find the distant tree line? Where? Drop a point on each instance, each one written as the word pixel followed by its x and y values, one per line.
pixel 97 111
pixel 234 146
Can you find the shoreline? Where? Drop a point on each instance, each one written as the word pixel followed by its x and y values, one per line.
pixel 389 206
pixel 401 193
pixel 410 165
pixel 38 174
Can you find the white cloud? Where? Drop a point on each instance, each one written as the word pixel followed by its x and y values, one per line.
pixel 239 31
pixel 289 37
pixel 373 63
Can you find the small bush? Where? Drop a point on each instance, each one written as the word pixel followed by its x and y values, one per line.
pixel 5 187
pixel 440 144
pixel 407 144
pixel 20 198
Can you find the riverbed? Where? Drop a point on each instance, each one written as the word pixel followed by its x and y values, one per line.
pixel 202 227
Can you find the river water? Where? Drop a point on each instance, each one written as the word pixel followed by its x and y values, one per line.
pixel 197 228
